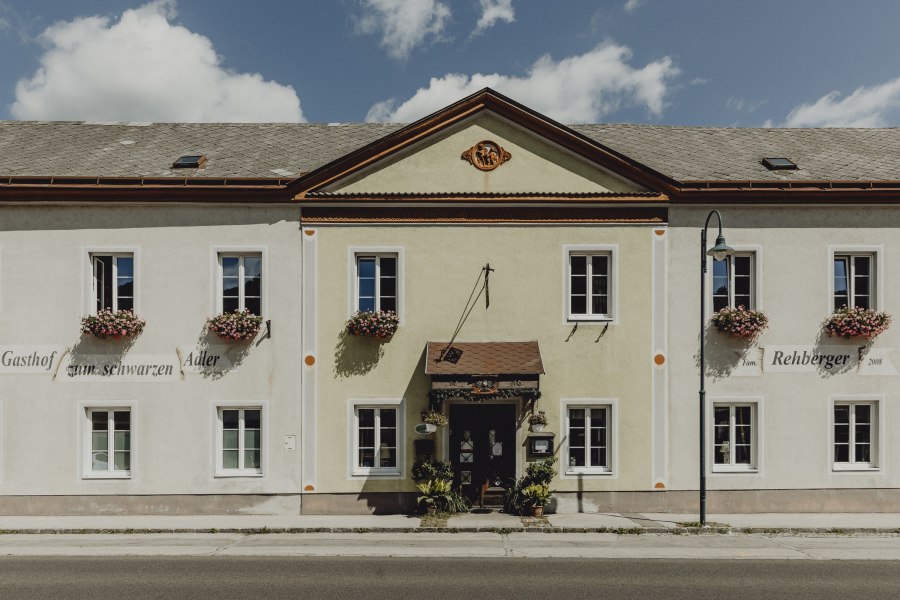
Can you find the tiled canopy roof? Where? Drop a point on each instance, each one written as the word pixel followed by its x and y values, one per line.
pixel 484 358
pixel 287 150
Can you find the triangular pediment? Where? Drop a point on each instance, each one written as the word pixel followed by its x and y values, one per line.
pixel 484 144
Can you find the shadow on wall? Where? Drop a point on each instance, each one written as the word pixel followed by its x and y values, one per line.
pixel 357 355
pixel 392 496
pixel 724 352
pixel 235 352
pixel 825 342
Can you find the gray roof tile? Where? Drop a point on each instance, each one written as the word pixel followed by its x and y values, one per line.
pixel 277 150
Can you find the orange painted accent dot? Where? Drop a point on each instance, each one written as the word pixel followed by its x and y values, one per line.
pixel 659 231
pixel 659 359
pixel 309 488
pixel 309 232
pixel 660 485
pixel 310 360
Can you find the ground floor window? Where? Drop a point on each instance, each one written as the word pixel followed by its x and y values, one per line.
pixel 734 436
pixel 588 430
pixel 855 435
pixel 109 450
pixel 239 441
pixel 377 439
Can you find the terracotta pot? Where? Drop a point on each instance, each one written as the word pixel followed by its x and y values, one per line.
pixel 537 511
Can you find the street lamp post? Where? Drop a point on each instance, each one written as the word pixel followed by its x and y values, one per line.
pixel 718 252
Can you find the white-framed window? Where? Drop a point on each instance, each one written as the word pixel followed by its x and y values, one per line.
pixel 854 282
pixel 855 434
pixel 377 437
pixel 108 442
pixel 240 282
pixel 734 281
pixel 239 441
pixel 588 444
pixel 590 290
pixel 376 282
pixel 113 281
pixel 734 436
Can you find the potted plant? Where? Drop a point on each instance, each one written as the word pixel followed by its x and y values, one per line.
pixel 235 326
pixel 539 473
pixel 110 324
pixel 378 324
pixel 740 322
pixel 537 421
pixel 433 419
pixel 535 496
pixel 847 322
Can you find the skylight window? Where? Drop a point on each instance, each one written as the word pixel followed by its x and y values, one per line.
pixel 779 164
pixel 193 161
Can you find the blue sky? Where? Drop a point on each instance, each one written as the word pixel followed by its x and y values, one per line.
pixel 689 62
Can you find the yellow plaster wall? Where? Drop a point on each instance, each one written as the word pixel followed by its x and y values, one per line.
pixel 527 294
pixel 435 166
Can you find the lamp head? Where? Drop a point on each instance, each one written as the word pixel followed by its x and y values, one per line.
pixel 721 249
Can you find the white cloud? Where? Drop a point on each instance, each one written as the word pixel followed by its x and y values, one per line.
pixel 578 89
pixel 143 68
pixel 741 105
pixel 876 106
pixel 631 5
pixel 493 11
pixel 404 24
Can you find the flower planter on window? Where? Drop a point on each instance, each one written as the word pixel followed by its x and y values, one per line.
pixel 377 324
pixel 740 322
pixel 235 326
pixel 856 322
pixel 109 324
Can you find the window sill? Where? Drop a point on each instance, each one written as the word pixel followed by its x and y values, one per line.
pixel 849 468
pixel 734 470
pixel 394 473
pixel 589 319
pixel 110 475
pixel 238 473
pixel 592 472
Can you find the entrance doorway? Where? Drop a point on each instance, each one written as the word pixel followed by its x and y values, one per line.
pixel 482 445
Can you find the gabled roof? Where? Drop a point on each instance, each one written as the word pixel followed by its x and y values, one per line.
pixel 506 108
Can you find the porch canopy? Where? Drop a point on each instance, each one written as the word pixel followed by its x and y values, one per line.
pixel 480 370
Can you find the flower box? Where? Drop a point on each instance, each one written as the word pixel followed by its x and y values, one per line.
pixel 110 324
pixel 740 322
pixel 378 324
pixel 235 326
pixel 849 322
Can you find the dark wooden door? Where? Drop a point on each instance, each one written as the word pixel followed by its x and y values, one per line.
pixel 482 445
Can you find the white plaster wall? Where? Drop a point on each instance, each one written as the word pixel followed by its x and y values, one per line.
pixel 41 302
pixel 794 430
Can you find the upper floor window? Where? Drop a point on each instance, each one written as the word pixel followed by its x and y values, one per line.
pixel 854 280
pixel 240 282
pixel 113 281
pixel 376 282
pixel 589 285
pixel 732 282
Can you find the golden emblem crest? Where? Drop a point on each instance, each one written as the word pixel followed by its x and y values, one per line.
pixel 486 155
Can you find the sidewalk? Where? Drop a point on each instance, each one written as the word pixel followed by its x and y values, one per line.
pixel 628 523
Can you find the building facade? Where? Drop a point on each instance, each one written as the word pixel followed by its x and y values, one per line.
pixel 533 267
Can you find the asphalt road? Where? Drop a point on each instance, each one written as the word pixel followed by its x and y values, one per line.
pixel 224 578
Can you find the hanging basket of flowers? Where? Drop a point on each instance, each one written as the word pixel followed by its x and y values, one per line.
pixel 109 324
pixel 235 326
pixel 378 324
pixel 740 322
pixel 847 322
pixel 433 417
